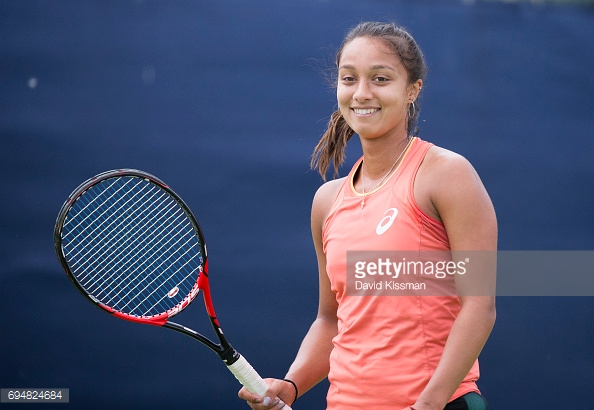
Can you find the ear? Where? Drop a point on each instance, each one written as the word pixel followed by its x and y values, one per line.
pixel 414 90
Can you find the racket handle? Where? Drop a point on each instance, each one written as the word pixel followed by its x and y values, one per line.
pixel 250 378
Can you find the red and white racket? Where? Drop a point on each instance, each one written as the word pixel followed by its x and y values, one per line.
pixel 133 248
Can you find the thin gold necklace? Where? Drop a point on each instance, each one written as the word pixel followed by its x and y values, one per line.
pixel 384 178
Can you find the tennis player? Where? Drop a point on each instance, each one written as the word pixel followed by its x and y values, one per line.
pixel 399 352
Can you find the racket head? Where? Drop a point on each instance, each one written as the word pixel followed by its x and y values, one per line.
pixel 131 246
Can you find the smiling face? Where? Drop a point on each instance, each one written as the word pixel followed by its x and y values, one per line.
pixel 373 90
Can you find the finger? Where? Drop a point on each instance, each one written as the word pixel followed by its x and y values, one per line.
pixel 248 396
pixel 273 404
pixel 270 400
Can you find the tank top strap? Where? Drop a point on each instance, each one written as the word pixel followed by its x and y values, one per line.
pixel 413 161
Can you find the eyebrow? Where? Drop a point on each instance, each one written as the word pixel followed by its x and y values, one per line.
pixel 373 67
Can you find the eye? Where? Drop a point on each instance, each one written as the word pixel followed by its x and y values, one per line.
pixel 348 79
pixel 380 79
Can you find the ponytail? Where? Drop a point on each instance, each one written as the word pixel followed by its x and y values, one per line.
pixel 332 145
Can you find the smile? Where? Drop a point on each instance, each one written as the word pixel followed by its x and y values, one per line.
pixel 361 111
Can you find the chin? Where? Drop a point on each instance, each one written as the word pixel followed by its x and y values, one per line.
pixel 367 134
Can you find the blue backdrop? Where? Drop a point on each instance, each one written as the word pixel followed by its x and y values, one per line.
pixel 225 101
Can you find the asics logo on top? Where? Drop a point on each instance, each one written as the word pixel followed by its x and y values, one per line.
pixel 386 221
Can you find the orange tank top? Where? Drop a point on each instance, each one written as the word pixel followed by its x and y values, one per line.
pixel 387 347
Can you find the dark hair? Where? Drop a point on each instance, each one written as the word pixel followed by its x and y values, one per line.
pixel 331 147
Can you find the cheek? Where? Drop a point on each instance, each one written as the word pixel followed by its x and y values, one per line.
pixel 343 96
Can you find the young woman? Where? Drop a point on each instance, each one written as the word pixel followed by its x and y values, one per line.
pixel 400 352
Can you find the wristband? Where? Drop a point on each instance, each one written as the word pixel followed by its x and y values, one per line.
pixel 296 389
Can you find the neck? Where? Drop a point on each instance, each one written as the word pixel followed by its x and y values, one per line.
pixel 380 156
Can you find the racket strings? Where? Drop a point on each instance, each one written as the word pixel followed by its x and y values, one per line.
pixel 184 232
pixel 145 289
pixel 99 236
pixel 94 244
pixel 127 255
pixel 103 249
pixel 94 206
pixel 174 274
pixel 137 258
pixel 132 246
pixel 132 261
pixel 170 254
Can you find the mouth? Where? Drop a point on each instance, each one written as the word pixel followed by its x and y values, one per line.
pixel 365 111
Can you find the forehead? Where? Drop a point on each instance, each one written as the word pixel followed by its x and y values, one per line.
pixel 364 52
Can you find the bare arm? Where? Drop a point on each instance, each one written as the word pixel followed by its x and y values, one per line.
pixel 312 363
pixel 451 191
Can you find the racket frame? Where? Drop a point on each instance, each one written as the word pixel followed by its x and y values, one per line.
pixel 224 349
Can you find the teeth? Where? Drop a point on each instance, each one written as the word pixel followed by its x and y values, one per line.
pixel 366 111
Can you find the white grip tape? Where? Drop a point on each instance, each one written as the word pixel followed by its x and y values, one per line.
pixel 248 377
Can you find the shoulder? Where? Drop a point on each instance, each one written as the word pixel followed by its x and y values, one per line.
pixel 323 201
pixel 440 160
pixel 445 179
pixel 443 171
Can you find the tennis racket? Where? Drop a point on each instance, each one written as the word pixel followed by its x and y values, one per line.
pixel 133 248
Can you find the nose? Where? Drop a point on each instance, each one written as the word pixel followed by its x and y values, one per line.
pixel 363 91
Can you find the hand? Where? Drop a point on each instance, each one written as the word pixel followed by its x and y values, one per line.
pixel 279 392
